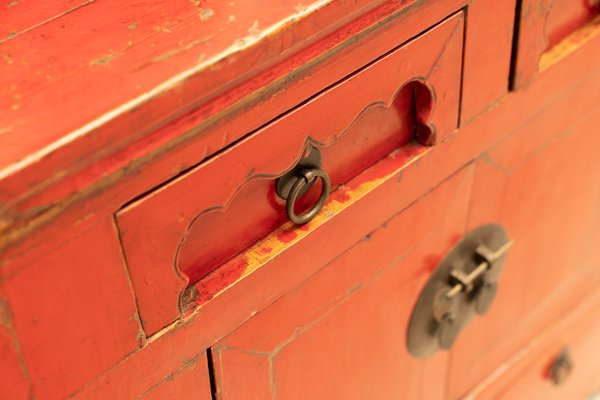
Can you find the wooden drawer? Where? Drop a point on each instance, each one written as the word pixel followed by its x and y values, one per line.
pixel 179 233
pixel 561 362
pixel 549 30
pixel 342 333
pixel 576 349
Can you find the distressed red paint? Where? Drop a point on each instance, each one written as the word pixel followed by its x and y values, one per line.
pixel 287 235
pixel 220 279
pixel 223 268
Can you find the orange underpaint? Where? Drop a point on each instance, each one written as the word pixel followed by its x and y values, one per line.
pixel 340 195
pixel 287 236
pixel 220 279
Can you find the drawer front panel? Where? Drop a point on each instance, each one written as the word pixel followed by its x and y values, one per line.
pixel 182 231
pixel 549 30
pixel 342 333
pixel 566 16
pixel 567 368
pixel 561 362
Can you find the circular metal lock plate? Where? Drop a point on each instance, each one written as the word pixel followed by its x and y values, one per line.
pixel 448 331
pixel 423 336
pixel 443 305
pixel 484 297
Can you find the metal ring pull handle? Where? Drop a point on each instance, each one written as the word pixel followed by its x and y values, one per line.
pixel 307 177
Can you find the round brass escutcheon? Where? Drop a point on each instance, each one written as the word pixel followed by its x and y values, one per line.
pixel 461 287
pixel 484 297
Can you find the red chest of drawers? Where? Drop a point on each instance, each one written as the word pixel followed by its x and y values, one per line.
pixel 151 154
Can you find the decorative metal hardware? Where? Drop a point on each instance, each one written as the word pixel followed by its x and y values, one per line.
pixel 307 177
pixel 462 286
pixel 561 368
pixel 299 180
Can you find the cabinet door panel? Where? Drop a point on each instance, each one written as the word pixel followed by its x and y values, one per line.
pixel 544 187
pixel 341 333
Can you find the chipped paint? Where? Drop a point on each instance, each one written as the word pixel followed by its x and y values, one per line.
pixel 206 13
pixel 253 30
pixel 159 28
pixel 184 48
pixel 14 34
pixel 286 236
pixel 300 8
pixel 132 26
pixel 221 278
pixel 104 60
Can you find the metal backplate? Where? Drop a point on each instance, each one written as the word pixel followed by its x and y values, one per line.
pixel 423 336
pixel 311 159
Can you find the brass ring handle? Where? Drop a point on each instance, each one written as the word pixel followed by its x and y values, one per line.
pixel 307 177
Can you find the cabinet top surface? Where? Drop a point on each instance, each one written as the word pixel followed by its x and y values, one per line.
pixel 70 67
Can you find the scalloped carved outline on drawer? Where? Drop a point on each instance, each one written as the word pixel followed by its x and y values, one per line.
pixel 549 30
pixel 223 205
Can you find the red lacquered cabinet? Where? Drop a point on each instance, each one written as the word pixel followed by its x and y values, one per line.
pixel 363 199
